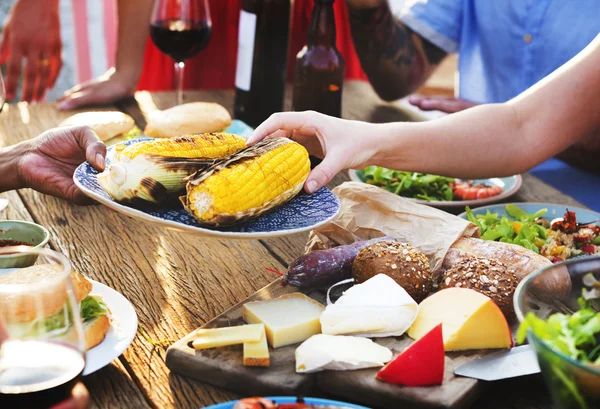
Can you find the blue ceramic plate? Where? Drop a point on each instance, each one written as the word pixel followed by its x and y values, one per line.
pixel 302 213
pixel 291 399
pixel 554 211
pixel 240 128
pixel 509 185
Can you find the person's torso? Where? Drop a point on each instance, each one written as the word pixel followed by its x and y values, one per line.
pixel 507 46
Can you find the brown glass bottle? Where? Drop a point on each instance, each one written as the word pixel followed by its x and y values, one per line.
pixel 319 73
pixel 261 61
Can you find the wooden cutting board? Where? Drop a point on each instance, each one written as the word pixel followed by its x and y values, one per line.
pixel 223 367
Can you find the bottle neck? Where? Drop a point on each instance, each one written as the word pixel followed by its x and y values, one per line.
pixel 321 31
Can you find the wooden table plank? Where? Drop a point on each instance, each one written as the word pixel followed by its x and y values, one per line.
pixel 175 281
pixel 179 281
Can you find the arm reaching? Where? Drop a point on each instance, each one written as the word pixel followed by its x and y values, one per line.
pixel 31 33
pixel 396 60
pixel 484 141
pixel 121 81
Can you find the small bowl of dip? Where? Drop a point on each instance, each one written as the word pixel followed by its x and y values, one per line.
pixel 21 233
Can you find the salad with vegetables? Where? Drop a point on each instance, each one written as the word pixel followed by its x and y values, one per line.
pixel 557 240
pixel 427 187
pixel 577 336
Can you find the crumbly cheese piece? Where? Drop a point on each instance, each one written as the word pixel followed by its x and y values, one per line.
pixel 219 337
pixel 379 307
pixel 289 319
pixel 257 353
pixel 338 352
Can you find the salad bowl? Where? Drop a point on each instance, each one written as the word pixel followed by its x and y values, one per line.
pixel 558 307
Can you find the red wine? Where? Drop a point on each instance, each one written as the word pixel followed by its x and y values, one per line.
pixel 36 373
pixel 261 60
pixel 180 39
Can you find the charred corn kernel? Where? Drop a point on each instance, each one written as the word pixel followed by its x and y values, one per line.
pixel 248 183
pixel 557 250
pixel 155 171
pixel 212 145
pixel 517 226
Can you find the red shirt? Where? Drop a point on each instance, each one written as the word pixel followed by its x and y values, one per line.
pixel 208 70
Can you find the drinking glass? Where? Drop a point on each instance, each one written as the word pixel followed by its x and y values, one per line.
pixel 42 344
pixel 180 29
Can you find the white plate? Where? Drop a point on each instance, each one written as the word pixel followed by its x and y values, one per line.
pixel 510 185
pixel 120 334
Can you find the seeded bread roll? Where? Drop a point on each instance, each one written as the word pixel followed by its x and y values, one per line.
pixel 406 265
pixel 487 276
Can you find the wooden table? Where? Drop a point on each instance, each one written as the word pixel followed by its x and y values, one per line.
pixel 178 281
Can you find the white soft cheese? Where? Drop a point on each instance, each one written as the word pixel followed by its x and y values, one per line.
pixel 340 353
pixel 379 307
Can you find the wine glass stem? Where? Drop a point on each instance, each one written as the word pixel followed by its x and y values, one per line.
pixel 179 66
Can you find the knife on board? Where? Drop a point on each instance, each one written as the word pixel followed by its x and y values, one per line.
pixel 518 361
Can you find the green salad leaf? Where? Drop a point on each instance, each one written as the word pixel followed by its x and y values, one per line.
pixel 410 184
pixel 575 335
pixel 523 230
pixel 91 308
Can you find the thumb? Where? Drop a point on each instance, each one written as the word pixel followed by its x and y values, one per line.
pixel 323 173
pixel 4 45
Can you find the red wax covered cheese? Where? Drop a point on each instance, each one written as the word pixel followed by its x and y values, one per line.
pixel 421 364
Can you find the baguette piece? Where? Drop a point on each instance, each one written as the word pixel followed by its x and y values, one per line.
pixel 186 119
pixel 522 260
pixel 556 285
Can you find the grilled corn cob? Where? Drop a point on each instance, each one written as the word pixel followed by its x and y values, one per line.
pixel 155 171
pixel 247 183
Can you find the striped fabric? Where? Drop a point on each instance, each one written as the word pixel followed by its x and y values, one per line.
pixel 88 30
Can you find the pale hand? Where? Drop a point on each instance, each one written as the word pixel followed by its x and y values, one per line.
pixel 47 162
pixel 448 105
pixel 106 89
pixel 342 144
pixel 31 33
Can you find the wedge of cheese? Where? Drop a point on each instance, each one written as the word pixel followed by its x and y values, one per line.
pixel 220 337
pixel 289 319
pixel 379 307
pixel 469 319
pixel 257 353
pixel 340 353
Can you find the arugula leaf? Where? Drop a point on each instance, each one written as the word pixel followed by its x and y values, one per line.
pixel 410 184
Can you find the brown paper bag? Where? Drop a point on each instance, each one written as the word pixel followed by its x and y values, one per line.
pixel 368 212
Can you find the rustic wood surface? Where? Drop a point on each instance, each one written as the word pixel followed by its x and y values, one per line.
pixel 176 281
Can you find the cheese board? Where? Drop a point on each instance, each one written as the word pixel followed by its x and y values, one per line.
pixel 223 367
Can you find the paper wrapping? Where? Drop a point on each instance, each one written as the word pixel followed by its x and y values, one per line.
pixel 368 211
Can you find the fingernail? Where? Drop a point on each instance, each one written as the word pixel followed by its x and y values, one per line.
pixel 100 161
pixel 311 186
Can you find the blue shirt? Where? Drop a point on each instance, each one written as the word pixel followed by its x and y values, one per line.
pixel 505 46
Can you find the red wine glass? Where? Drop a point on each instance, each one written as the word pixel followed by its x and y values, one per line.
pixel 180 29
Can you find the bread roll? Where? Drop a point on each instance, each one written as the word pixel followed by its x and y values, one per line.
pixel 522 260
pixel 48 300
pixel 489 277
pixel 406 265
pixel 106 124
pixel 187 119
